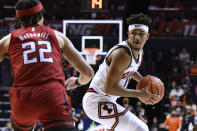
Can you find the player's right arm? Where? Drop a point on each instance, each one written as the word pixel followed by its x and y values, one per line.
pixel 119 61
pixel 76 60
pixel 4 45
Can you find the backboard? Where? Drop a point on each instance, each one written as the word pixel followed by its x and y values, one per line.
pixel 101 34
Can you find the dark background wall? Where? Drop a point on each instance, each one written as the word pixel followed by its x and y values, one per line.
pixel 165 44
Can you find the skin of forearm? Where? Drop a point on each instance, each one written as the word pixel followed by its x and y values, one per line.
pixel 118 91
pixel 136 76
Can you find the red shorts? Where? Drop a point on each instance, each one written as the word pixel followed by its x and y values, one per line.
pixel 47 104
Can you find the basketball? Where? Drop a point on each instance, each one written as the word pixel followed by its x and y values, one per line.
pixel 156 87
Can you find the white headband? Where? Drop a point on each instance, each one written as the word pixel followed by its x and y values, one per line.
pixel 139 26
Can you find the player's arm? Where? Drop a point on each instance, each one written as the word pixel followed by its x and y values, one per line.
pixel 4 44
pixel 75 59
pixel 137 76
pixel 119 61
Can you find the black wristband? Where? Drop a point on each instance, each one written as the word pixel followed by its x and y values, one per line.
pixel 77 82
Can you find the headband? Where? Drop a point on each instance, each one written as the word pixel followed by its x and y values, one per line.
pixel 138 26
pixel 30 11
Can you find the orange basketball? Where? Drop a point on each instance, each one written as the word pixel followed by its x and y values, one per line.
pixel 156 87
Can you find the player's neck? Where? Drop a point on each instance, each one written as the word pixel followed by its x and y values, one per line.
pixel 135 52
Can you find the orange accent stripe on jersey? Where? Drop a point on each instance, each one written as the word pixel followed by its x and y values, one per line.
pixel 117 118
pixel 110 116
pixel 91 90
pixel 116 114
pixel 115 124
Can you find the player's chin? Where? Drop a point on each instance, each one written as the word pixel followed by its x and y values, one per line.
pixel 137 48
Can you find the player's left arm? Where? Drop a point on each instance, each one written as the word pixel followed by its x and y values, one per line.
pixel 4 45
pixel 137 76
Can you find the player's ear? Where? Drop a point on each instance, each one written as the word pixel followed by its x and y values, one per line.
pixel 40 17
pixel 128 33
pixel 148 35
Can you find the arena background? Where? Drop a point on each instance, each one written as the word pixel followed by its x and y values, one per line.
pixel 170 53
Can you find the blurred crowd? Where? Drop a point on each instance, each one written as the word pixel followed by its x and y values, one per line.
pixel 178 70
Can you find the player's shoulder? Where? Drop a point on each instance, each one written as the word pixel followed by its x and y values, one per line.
pixel 60 37
pixel 5 40
pixel 122 52
pixel 7 37
pixel 59 34
pixel 121 56
pixel 124 48
pixel 4 45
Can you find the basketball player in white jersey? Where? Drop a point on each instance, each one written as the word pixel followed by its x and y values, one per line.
pixel 110 82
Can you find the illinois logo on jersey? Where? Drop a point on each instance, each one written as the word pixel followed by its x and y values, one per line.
pixel 127 74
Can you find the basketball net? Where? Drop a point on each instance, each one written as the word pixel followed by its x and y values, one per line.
pixel 91 55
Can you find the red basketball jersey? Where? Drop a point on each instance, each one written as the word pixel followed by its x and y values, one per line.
pixel 35 57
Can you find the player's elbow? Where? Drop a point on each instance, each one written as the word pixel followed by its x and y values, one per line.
pixel 89 73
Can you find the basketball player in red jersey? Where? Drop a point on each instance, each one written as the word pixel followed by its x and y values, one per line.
pixel 38 92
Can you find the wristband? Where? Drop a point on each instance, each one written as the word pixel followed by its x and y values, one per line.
pixel 77 82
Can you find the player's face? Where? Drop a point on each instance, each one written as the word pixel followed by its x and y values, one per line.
pixel 138 38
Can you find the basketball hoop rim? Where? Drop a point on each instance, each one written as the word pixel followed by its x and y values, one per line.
pixel 91 50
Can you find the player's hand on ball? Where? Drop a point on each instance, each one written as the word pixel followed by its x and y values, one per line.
pixel 153 91
pixel 70 83
pixel 146 96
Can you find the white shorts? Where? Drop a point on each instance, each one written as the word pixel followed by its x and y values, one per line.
pixel 104 110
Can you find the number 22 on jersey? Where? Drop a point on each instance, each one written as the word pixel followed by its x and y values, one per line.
pixel 32 49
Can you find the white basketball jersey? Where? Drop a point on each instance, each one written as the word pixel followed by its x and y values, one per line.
pixel 100 77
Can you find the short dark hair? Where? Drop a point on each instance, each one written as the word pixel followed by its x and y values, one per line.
pixel 139 19
pixel 27 20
